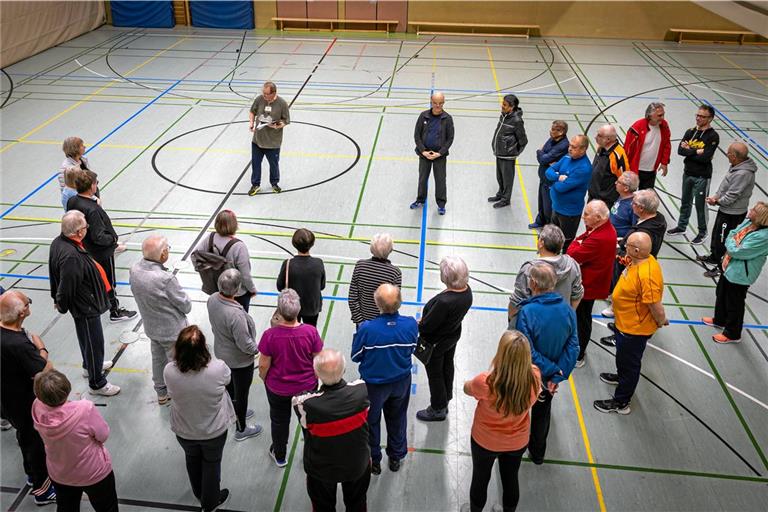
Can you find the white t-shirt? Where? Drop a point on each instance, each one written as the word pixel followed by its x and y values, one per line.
pixel 650 150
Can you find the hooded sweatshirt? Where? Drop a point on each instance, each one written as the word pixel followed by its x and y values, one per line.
pixel 568 286
pixel 74 435
pixel 736 188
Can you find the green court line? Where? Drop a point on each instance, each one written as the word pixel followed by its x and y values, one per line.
pixel 564 50
pixel 10 270
pixel 554 78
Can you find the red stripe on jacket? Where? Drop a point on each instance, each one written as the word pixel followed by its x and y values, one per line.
pixel 338 427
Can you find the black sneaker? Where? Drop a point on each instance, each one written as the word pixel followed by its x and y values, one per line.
pixel 416 204
pixel 699 240
pixel 610 378
pixel 394 465
pixel 47 497
pixel 611 326
pixel 223 498
pixel 501 204
pixel 375 468
pixel 493 199
pixel 675 231
pixel 612 405
pixel 706 258
pixel 430 414
pixel 276 189
pixel 713 272
pixel 254 190
pixel 121 315
pixel 609 341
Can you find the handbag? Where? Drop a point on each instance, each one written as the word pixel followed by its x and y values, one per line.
pixel 423 350
pixel 276 318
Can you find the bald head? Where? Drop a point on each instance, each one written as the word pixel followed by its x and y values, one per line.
pixel 13 307
pixel 155 248
pixel 329 366
pixel 737 152
pixel 437 101
pixel 639 245
pixel 596 213
pixel 387 297
pixel 606 136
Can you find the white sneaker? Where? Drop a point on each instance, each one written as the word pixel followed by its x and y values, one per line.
pixel 108 364
pixel 607 312
pixel 581 362
pixel 107 390
pixel 5 424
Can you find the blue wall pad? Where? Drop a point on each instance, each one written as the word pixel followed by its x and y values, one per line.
pixel 127 13
pixel 222 14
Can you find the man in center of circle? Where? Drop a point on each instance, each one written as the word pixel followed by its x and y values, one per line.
pixel 433 136
pixel 269 114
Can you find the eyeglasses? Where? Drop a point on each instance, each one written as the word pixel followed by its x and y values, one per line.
pixel 29 302
pixel 699 116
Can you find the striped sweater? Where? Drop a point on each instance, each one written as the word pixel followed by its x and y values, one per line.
pixel 366 278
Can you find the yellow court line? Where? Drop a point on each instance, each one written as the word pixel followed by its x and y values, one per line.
pixel 86 99
pixel 729 61
pixel 493 72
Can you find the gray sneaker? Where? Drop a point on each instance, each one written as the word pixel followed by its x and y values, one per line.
pixel 248 432
pixel 107 390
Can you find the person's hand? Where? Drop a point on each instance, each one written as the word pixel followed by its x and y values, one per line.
pixel 699 151
pixel 663 168
pixel 435 154
pixel 425 154
pixel 253 294
pixel 552 387
pixel 711 200
pixel 562 177
pixel 685 145
pixel 277 125
pixel 251 127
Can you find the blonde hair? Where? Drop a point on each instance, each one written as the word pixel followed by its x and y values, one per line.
pixel 70 173
pixel 512 379
pixel 761 214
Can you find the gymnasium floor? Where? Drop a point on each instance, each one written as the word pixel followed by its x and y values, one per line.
pixel 163 115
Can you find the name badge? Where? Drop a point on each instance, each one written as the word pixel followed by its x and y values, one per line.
pixel 268 109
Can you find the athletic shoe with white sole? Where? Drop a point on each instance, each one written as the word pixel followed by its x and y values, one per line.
pixel 107 365
pixel 106 390
pixel 612 405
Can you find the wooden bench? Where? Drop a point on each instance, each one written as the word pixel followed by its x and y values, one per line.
pixel 740 35
pixel 334 23
pixel 430 25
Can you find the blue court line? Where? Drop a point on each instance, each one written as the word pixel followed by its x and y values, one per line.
pixel 738 129
pixel 94 146
pixel 423 233
pixel 405 303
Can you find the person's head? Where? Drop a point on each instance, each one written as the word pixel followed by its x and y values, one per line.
pixel 14 308
pixel 577 146
pixel 52 387
pixel 758 214
pixel 70 173
pixel 511 378
pixel 229 282
pixel 541 278
pixel 437 100
pixel 73 225
pixel 190 351
pixel 645 203
pixel 551 240
pixel 226 223
pixel 269 91
pixel 85 183
pixel 454 272
pixel 558 130
pixel 737 153
pixel 639 245
pixel 627 184
pixel 381 245
pixel 73 147
pixel 704 116
pixel 510 103
pixel 596 213
pixel 155 248
pixel 329 366
pixel 288 305
pixel 387 298
pixel 654 113
pixel 303 240
pixel 606 136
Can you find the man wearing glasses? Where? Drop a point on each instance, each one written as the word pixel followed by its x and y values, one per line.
pixel 698 146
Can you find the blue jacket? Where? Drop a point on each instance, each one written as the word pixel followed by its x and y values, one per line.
pixel 550 326
pixel 551 152
pixel 568 195
pixel 383 347
pixel 747 259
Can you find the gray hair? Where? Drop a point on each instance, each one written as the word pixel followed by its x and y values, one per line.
pixel 653 107
pixel 542 276
pixel 552 238
pixel 630 180
pixel 12 305
pixel 72 222
pixel 153 246
pixel 454 272
pixel 608 131
pixel 71 146
pixel 229 282
pixel 288 304
pixel 381 245
pixel 329 366
pixel 647 200
pixel 561 124
pixel 387 298
pixel 599 208
pixel 739 149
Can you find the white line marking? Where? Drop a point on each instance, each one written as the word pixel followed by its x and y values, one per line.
pixel 95 73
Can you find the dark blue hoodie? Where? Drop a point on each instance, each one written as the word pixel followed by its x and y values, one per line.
pixel 550 326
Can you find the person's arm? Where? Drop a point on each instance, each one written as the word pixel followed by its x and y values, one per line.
pixel 751 246
pixel 567 359
pixel 546 365
pixel 264 363
pixel 433 317
pixel 520 291
pixel 706 153
pixel 736 191
pixel 579 176
pixel 281 277
pixel 553 172
pixel 177 296
pixel 522 138
pixel 577 288
pixel 42 350
pixel 398 278
pixel 448 136
pixel 98 232
pixel 100 428
pixel 420 147
pixel 683 149
pixel 322 274
pixel 631 143
pixel 658 313
pixel 285 119
pixel 244 332
pixel 358 342
pixel 666 145
pixel 468 388
pixel 354 298
pixel 251 120
pixel 242 261
pixel 70 277
pixel 511 310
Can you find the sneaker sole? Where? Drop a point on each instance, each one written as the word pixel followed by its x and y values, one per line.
pixel 239 439
pixel 726 342
pixel 681 233
pixel 611 382
pixel 95 392
pixel 278 463
pixel 121 319
pixel 623 411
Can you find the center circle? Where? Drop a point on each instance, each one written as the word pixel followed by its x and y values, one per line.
pixel 285 190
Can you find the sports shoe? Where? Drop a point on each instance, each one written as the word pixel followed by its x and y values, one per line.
pixel 276 189
pixel 710 321
pixel 281 463
pixel 46 498
pixel 441 210
pixel 609 341
pixel 5 424
pixel 120 248
pixel 248 432
pixel 675 231
pixel 535 225
pixel 106 390
pixel 394 465
pixel 107 365
pixel 224 495
pixel 607 312
pixel 501 204
pixel 375 468
pixel 254 190
pixel 722 339
pixel 536 460
pixel 706 258
pixel 30 483
pixel 713 272
pixel 612 405
pixel 249 414
pixel 581 362
pixel 493 199
pixel 699 239
pixel 610 378
pixel 163 400
pixel 121 315
pixel 416 204
pixel 430 414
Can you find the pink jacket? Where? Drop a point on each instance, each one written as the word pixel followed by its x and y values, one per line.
pixel 74 435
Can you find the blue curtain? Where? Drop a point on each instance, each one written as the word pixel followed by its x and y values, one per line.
pixel 222 14
pixel 127 13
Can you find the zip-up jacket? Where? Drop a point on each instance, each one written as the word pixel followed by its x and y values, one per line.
pixel 747 258
pixel 383 347
pixel 656 227
pixel 595 252
pixel 607 166
pixel 445 132
pixel 568 195
pixel 736 188
pixel 76 284
pixel 509 139
pixel 633 144
pixel 695 164
pixel 100 239
pixel 550 153
pixel 335 423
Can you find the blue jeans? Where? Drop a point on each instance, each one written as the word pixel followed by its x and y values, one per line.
pixel 273 157
pixel 629 356
pixel 392 399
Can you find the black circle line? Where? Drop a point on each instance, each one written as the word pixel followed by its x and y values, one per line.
pixel 10 91
pixel 285 190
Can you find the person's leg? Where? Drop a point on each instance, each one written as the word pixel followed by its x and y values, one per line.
pixel 584 324
pixel 700 192
pixel 570 226
pixel 425 166
pixel 280 418
pixel 508 176
pixel 686 201
pixel 193 457
pixel 90 336
pixel 647 180
pixel 211 451
pixel 438 398
pixel 441 193
pixel 32 450
pixel 355 492
pixel 159 350
pixel 629 357
pixel 500 178
pixel 257 155
pixel 242 379
pixel 273 157
pixel 735 300
pixel 723 226
pixel 396 415
pixel 309 320
pixel 540 198
pixel 482 466
pixel 721 301
pixel 68 497
pixel 322 494
pixel 102 494
pixel 547 198
pixel 540 416
pixel 244 300
pixel 448 372
pixel 377 394
pixel 509 465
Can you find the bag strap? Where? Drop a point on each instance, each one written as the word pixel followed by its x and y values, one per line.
pixel 210 243
pixel 228 247
pixel 287 266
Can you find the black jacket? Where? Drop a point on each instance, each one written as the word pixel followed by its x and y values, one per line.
pixel 442 316
pixel 694 164
pixel 509 139
pixel 101 239
pixel 607 166
pixel 656 227
pixel 76 285
pixel 446 132
pixel 335 424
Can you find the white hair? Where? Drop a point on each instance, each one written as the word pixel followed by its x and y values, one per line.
pixel 599 208
pixel 229 282
pixel 454 272
pixel 12 305
pixel 72 222
pixel 381 245
pixel 153 246
pixel 288 304
pixel 329 366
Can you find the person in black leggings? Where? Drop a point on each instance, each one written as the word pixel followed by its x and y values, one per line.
pixel 306 275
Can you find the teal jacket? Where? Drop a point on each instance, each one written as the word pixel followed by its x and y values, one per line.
pixel 749 257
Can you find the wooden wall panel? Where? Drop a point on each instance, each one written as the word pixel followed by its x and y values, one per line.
pixel 396 10
pixel 291 8
pixel 264 12
pixel 359 10
pixel 326 9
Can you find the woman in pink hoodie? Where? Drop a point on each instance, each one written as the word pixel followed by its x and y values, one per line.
pixel 74 434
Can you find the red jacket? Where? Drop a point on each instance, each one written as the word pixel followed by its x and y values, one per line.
pixel 633 144
pixel 595 251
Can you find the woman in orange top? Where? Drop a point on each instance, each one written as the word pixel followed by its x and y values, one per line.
pixel 502 422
